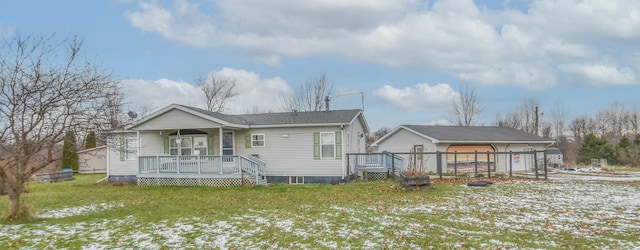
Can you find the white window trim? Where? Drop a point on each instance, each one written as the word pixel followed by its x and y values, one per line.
pixel 264 141
pixel 333 134
pixel 192 146
pixel 297 180
pixel 134 150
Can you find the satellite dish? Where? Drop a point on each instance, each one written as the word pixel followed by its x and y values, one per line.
pixel 132 115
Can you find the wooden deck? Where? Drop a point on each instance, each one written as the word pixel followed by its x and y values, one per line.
pixel 209 170
pixel 375 163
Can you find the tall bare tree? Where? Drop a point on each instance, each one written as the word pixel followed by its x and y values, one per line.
pixel 46 88
pixel 310 95
pixel 558 118
pixel 218 90
pixel 466 108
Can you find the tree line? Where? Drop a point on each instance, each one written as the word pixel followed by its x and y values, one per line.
pixel 610 133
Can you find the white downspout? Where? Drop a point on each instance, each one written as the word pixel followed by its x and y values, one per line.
pixel 344 155
pixel 138 151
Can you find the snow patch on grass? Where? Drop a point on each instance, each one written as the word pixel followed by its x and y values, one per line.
pixel 533 214
pixel 74 211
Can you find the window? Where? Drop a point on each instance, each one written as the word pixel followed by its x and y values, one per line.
pixel 327 145
pixel 257 140
pixel 227 143
pixel 296 179
pixel 188 145
pixel 130 148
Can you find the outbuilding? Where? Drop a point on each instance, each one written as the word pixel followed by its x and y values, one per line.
pixel 502 148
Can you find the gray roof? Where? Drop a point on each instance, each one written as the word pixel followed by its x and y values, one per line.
pixel 286 118
pixel 476 134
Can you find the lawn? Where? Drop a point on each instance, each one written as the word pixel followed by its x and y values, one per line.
pixel 362 215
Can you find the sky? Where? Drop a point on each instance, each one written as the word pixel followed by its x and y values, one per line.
pixel 408 58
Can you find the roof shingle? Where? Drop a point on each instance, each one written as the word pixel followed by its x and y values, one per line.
pixel 476 133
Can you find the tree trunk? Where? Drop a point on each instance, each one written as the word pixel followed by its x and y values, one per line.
pixel 15 203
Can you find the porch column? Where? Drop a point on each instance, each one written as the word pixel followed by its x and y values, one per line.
pixel 220 149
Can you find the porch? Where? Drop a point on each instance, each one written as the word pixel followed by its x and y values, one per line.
pixel 374 166
pixel 201 170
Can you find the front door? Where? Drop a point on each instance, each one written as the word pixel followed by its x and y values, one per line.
pixel 228 162
pixel 227 143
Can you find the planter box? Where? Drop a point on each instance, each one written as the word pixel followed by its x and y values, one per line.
pixel 419 182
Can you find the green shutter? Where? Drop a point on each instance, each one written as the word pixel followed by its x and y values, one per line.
pixel 166 144
pixel 210 144
pixel 316 145
pixel 247 140
pixel 122 142
pixel 338 145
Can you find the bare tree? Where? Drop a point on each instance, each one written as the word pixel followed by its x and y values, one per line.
pixel 46 89
pixel 310 95
pixel 522 117
pixel 511 119
pixel 558 119
pixel 466 108
pixel 634 120
pixel 218 90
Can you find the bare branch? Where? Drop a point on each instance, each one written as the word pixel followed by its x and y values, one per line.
pixel 465 107
pixel 218 91
pixel 310 95
pixel 45 90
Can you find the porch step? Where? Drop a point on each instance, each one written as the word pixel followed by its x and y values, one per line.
pixel 262 182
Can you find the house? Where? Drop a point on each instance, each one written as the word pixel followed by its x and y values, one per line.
pixel 555 157
pixel 182 145
pixel 502 148
pixel 93 160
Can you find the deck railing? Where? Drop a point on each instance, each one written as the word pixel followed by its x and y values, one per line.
pixel 202 164
pixel 375 162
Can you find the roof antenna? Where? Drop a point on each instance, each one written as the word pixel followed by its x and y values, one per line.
pixel 326 101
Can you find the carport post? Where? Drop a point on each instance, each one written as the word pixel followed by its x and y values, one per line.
pixel 455 163
pixel 488 166
pixel 535 162
pixel 439 162
pixel 475 159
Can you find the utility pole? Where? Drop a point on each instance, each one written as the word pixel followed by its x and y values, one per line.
pixel 537 120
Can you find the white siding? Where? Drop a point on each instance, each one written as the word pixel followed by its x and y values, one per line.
pixel 176 119
pixel 354 138
pixel 116 166
pixel 151 143
pixel 402 141
pixel 289 152
pixel 93 160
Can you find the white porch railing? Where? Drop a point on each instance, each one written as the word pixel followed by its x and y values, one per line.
pixel 202 164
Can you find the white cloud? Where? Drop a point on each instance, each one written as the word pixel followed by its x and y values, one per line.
pixel 600 74
pixel 477 45
pixel 155 94
pixel 420 97
pixel 253 92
